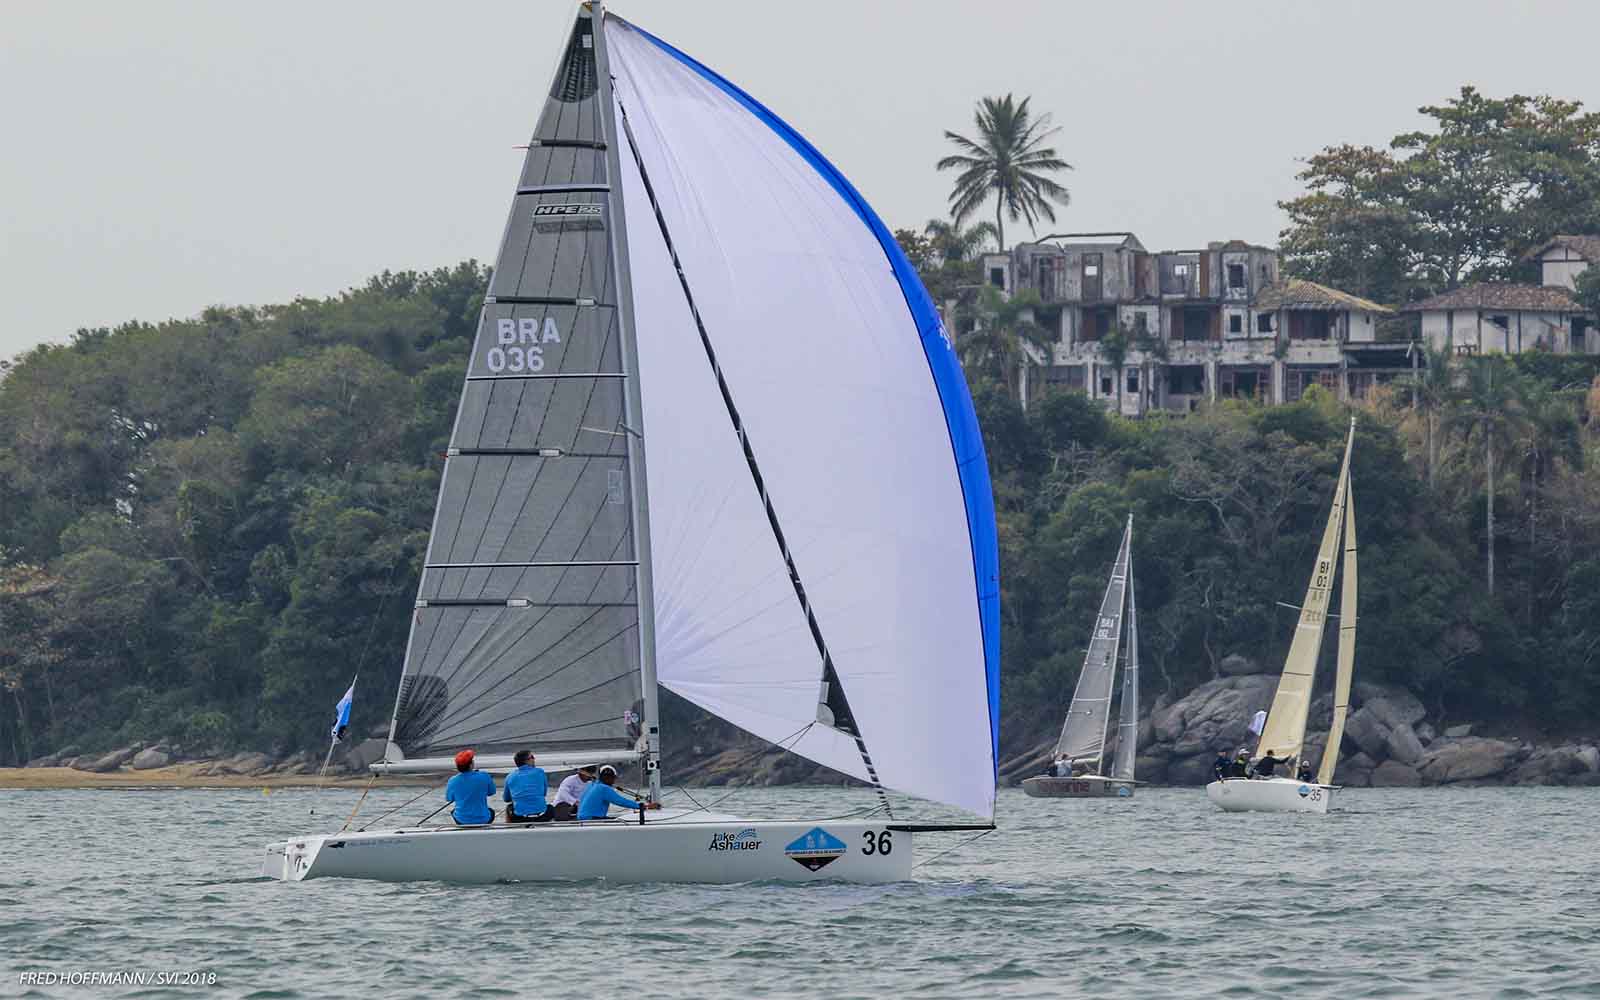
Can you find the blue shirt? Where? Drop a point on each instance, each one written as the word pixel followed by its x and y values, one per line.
pixel 597 796
pixel 470 791
pixel 526 788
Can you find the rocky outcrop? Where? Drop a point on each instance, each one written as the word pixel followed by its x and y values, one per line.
pixel 1561 765
pixel 1214 716
pixel 1394 774
pixel 109 762
pixel 244 763
pixel 1404 745
pixel 1471 758
pixel 1234 665
pixel 151 757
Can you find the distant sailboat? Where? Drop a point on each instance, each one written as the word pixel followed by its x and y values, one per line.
pixel 1083 733
pixel 809 554
pixel 1285 730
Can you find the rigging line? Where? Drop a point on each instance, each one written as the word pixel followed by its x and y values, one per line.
pixel 462 736
pixel 964 843
pixel 458 718
pixel 362 799
pixel 830 676
pixel 407 802
pixel 759 752
pixel 457 710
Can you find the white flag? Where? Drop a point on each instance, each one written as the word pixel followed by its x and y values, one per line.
pixel 1259 722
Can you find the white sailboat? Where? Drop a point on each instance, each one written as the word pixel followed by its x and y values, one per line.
pixel 1285 729
pixel 809 553
pixel 1083 733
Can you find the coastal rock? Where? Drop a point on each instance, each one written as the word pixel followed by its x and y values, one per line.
pixel 244 763
pixel 110 762
pixel 1392 706
pixel 1355 771
pixel 1151 769
pixel 149 758
pixel 66 761
pixel 1468 759
pixel 1394 774
pixel 1425 733
pixel 1403 745
pixel 1590 756
pixel 48 760
pixel 1214 715
pixel 1369 735
pixel 359 757
pixel 1551 766
pixel 1458 732
pixel 1194 770
pixel 1234 665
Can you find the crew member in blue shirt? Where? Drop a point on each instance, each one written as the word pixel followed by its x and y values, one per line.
pixel 470 790
pixel 599 796
pixel 526 788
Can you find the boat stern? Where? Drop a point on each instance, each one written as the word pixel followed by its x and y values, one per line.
pixel 290 860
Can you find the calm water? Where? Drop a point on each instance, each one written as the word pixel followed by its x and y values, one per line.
pixel 1457 893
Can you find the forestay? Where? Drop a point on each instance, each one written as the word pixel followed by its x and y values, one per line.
pixel 864 466
pixel 1083 734
pixel 1285 730
pixel 526 623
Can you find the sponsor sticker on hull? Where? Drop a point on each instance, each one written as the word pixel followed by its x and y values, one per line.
pixel 744 840
pixel 815 849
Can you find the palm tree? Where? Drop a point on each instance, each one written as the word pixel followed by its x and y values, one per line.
pixel 1488 407
pixel 1008 160
pixel 955 244
pixel 1431 390
pixel 999 332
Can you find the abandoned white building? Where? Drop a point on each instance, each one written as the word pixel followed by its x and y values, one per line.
pixel 1199 324
pixel 1503 318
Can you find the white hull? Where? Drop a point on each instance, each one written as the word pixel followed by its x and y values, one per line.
pixel 1282 795
pixel 706 850
pixel 1089 786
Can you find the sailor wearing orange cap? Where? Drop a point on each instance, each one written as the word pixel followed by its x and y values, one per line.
pixel 471 791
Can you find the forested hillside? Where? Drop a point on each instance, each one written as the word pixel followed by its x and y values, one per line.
pixel 209 524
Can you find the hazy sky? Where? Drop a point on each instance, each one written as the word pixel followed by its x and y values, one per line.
pixel 158 157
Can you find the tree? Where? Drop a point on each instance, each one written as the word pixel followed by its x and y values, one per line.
pixel 1008 160
pixel 957 245
pixel 1431 391
pixel 1002 331
pixel 1487 408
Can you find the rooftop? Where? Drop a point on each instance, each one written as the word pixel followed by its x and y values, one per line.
pixel 1500 295
pixel 1587 247
pixel 1297 293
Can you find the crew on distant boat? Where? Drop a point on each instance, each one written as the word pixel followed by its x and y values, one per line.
pixel 1221 766
pixel 526 788
pixel 471 791
pixel 1240 766
pixel 1305 771
pixel 599 796
pixel 1268 765
pixel 570 793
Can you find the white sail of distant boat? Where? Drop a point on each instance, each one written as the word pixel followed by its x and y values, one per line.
pixel 1081 749
pixel 809 552
pixel 1283 736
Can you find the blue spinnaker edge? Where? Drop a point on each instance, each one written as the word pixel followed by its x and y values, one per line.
pixel 966 439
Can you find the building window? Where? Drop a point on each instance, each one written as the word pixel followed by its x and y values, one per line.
pixel 1503 322
pixel 997 277
pixel 1133 380
pixel 1235 323
pixel 1106 387
pixel 1181 270
pixel 1235 275
pixel 1186 380
pixel 1306 324
pixel 1263 322
pixel 1141 323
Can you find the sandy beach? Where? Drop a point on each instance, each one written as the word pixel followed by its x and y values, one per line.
pixel 179 776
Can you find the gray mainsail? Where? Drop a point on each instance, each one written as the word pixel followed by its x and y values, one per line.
pixel 1128 713
pixel 1083 734
pixel 527 623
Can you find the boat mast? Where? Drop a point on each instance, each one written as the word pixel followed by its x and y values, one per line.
pixel 1126 553
pixel 633 404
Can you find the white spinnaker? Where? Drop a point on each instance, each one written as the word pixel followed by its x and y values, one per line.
pixel 825 365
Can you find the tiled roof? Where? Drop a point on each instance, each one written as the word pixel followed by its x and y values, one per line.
pixel 1297 293
pixel 1587 247
pixel 1501 295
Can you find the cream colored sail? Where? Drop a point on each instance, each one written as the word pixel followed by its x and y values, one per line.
pixel 1347 642
pixel 1285 730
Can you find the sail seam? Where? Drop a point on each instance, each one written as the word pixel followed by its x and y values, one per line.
pixel 830 676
